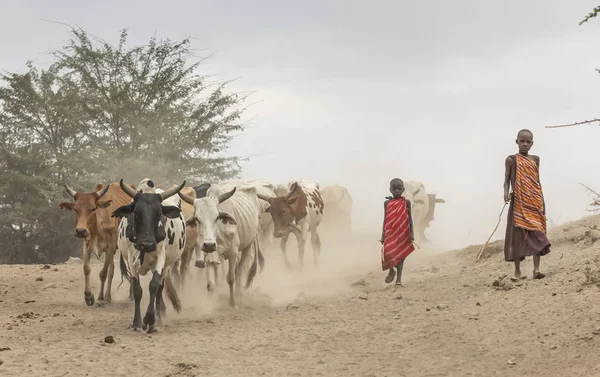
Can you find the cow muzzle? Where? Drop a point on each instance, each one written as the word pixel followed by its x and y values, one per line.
pixel 278 234
pixel 146 246
pixel 209 247
pixel 81 232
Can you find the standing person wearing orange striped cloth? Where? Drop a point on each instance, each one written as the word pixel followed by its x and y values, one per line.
pixel 397 235
pixel 526 222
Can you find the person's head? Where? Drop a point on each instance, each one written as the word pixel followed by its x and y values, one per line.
pixel 396 187
pixel 524 141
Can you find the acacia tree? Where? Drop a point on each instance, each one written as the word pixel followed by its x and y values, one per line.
pixel 100 113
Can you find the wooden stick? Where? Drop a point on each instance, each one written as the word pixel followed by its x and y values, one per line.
pixel 491 235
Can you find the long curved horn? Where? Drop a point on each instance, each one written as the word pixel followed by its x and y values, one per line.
pixel 128 190
pixel 70 191
pixel 292 190
pixel 172 191
pixel 223 197
pixel 103 191
pixel 186 198
pixel 264 197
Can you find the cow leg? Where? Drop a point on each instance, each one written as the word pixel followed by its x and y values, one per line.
pixel 87 269
pixel 211 273
pixel 200 263
pixel 240 269
pixel 150 317
pixel 137 297
pixel 177 276
pixel 283 244
pixel 185 264
pixel 301 246
pixel 160 303
pixel 315 240
pixel 108 261
pixel 111 274
pixel 232 259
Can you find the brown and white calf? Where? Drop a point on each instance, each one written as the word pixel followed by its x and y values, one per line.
pixel 299 211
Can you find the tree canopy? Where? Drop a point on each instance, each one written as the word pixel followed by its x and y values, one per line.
pixel 101 112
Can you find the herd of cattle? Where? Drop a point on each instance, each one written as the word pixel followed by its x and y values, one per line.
pixel 160 231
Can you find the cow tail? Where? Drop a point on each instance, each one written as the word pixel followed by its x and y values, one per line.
pixel 172 293
pixel 124 270
pixel 261 260
pixel 254 267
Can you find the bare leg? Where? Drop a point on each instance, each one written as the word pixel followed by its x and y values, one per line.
pixel 399 268
pixel 536 268
pixel 518 269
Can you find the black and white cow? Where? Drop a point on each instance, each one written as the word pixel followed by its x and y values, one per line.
pixel 151 238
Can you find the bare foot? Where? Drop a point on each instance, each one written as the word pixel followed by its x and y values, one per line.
pixel 399 285
pixel 390 276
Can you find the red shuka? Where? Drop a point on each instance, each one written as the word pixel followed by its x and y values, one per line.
pixel 397 243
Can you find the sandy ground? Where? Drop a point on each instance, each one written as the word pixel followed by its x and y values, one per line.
pixel 448 319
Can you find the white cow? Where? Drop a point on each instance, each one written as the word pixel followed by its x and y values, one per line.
pixel 299 211
pixel 151 238
pixel 229 223
pixel 338 216
pixel 422 207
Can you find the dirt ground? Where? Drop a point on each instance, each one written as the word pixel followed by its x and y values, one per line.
pixel 338 320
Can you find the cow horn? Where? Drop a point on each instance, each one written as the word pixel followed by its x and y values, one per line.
pixel 172 191
pixel 223 197
pixel 70 191
pixel 103 191
pixel 264 197
pixel 186 198
pixel 416 191
pixel 293 188
pixel 128 190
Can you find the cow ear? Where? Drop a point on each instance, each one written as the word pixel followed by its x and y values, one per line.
pixel 67 206
pixel 103 203
pixel 226 218
pixel 191 222
pixel 419 201
pixel 171 212
pixel 123 211
pixel 292 200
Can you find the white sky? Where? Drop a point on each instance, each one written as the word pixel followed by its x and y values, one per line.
pixel 358 92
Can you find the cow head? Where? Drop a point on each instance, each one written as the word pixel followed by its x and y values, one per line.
pixel 280 208
pixel 206 215
pixel 85 207
pixel 145 214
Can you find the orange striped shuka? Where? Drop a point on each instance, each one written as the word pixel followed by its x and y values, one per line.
pixel 528 197
pixel 397 243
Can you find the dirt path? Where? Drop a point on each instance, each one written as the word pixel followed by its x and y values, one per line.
pixel 446 322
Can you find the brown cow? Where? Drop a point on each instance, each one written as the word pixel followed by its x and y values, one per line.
pixel 299 211
pixel 191 233
pixel 98 231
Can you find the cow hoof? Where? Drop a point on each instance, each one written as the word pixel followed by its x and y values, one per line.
pixel 100 304
pixel 200 264
pixel 134 327
pixel 89 299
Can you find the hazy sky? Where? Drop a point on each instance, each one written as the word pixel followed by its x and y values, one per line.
pixel 358 92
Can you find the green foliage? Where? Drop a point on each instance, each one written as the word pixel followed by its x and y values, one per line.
pixel 100 113
pixel 592 14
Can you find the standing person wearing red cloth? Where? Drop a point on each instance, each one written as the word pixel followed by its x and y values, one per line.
pixel 397 236
pixel 526 222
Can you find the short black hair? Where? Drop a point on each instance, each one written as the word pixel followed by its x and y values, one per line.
pixel 396 181
pixel 524 130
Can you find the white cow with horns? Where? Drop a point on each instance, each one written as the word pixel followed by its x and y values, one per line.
pixel 151 238
pixel 229 225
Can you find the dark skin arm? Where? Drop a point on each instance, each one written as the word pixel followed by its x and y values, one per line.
pixel 383 226
pixel 508 169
